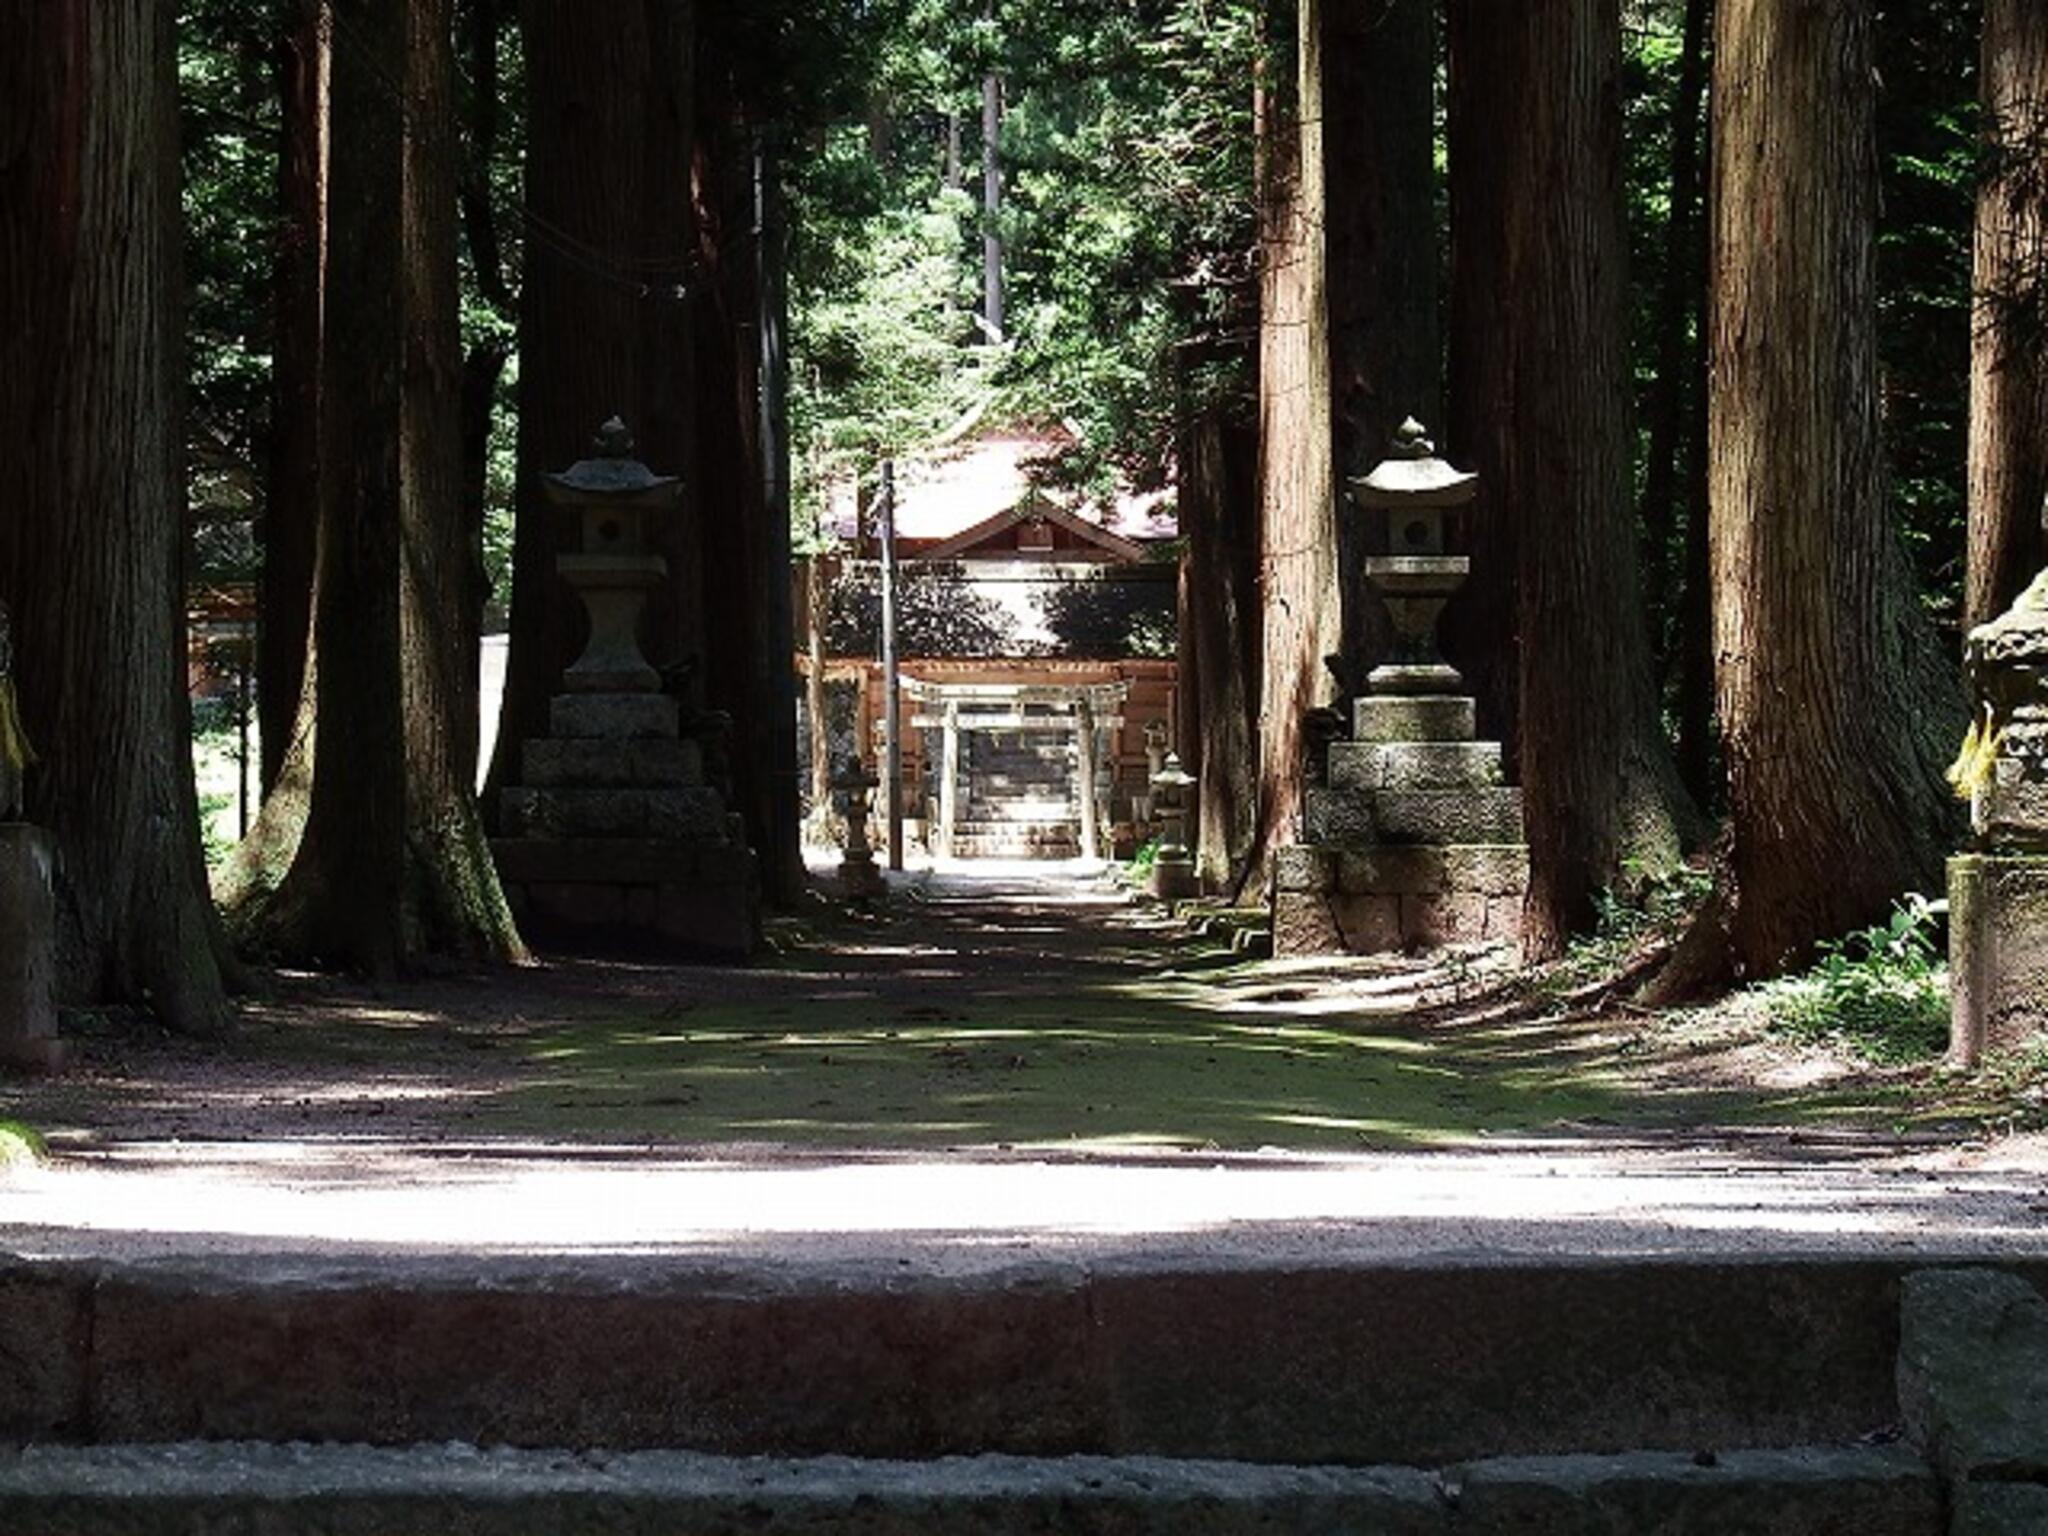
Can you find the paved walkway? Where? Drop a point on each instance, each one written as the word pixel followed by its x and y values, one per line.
pixel 473 1117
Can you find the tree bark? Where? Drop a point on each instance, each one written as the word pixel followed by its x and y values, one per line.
pixel 1837 711
pixel 1220 639
pixel 291 504
pixel 1679 303
pixel 605 318
pixel 1379 59
pixel 90 561
pixel 340 901
pixel 1300 594
pixel 1599 788
pixel 2008 477
pixel 1485 100
pixel 453 902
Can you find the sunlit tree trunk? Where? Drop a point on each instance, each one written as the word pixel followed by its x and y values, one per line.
pixel 90 561
pixel 1837 710
pixel 1299 591
pixel 2009 356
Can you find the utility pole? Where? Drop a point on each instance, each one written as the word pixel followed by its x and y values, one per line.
pixel 892 681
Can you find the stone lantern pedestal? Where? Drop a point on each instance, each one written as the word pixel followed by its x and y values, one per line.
pixel 617 838
pixel 1415 840
pixel 1998 889
pixel 28 903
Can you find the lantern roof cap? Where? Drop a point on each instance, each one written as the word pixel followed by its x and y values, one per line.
pixel 1413 476
pixel 613 473
pixel 1171 775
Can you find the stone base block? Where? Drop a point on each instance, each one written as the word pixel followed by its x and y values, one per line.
pixel 1175 880
pixel 1489 869
pixel 636 763
pixel 1444 816
pixel 1426 717
pixel 28 936
pixel 1998 953
pixel 681 814
pixel 1311 923
pixel 1415 764
pixel 613 716
pixel 656 897
pixel 1304 869
pixel 1303 924
pixel 1334 817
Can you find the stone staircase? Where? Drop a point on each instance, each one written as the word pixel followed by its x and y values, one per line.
pixel 1018 798
pixel 279 1392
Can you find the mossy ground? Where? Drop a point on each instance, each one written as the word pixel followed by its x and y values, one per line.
pixel 1011 1018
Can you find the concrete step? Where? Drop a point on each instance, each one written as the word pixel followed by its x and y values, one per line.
pixel 458 1490
pixel 1358 1365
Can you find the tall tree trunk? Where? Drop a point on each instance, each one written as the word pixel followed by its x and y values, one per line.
pixel 2009 353
pixel 1679 303
pixel 992 195
pixel 1379 59
pixel 605 317
pixel 340 900
pixel 779 843
pixel 1300 592
pixel 1599 787
pixel 1836 708
pixel 454 904
pixel 90 561
pixel 1485 101
pixel 1220 637
pixel 291 503
pixel 817 612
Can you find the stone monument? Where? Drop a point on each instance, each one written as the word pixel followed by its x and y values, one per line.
pixel 853 789
pixel 28 905
pixel 616 837
pixel 1998 889
pixel 1174 877
pixel 1413 840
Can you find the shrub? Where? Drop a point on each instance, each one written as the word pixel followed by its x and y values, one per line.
pixel 1881 993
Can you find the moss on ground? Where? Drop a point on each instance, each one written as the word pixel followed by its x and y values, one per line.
pixel 20 1144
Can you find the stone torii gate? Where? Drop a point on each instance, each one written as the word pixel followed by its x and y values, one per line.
pixel 957 709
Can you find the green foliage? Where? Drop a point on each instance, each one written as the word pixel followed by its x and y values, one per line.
pixel 1652 908
pixel 1881 993
pixel 21 1144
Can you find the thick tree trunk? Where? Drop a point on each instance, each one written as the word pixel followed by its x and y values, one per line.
pixel 90 539
pixel 1679 304
pixel 291 504
pixel 2009 354
pixel 1836 710
pixel 1379 60
pixel 454 905
pixel 1600 790
pixel 605 317
pixel 817 612
pixel 1487 97
pixel 1220 639
pixel 1300 592
pixel 340 901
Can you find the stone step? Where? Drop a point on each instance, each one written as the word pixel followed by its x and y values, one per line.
pixel 1415 764
pixel 677 814
pixel 1297 1362
pixel 461 1490
pixel 642 763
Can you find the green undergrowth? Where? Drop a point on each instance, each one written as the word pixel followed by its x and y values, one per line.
pixel 1646 909
pixel 1881 993
pixel 20 1144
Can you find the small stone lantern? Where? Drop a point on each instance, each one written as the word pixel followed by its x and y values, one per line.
pixel 614 497
pixel 1415 488
pixel 1998 890
pixel 1173 870
pixel 853 789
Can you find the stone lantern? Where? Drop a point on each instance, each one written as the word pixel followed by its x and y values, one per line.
pixel 1998 890
pixel 1412 840
pixel 615 499
pixel 853 789
pixel 1415 488
pixel 618 833
pixel 1173 870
